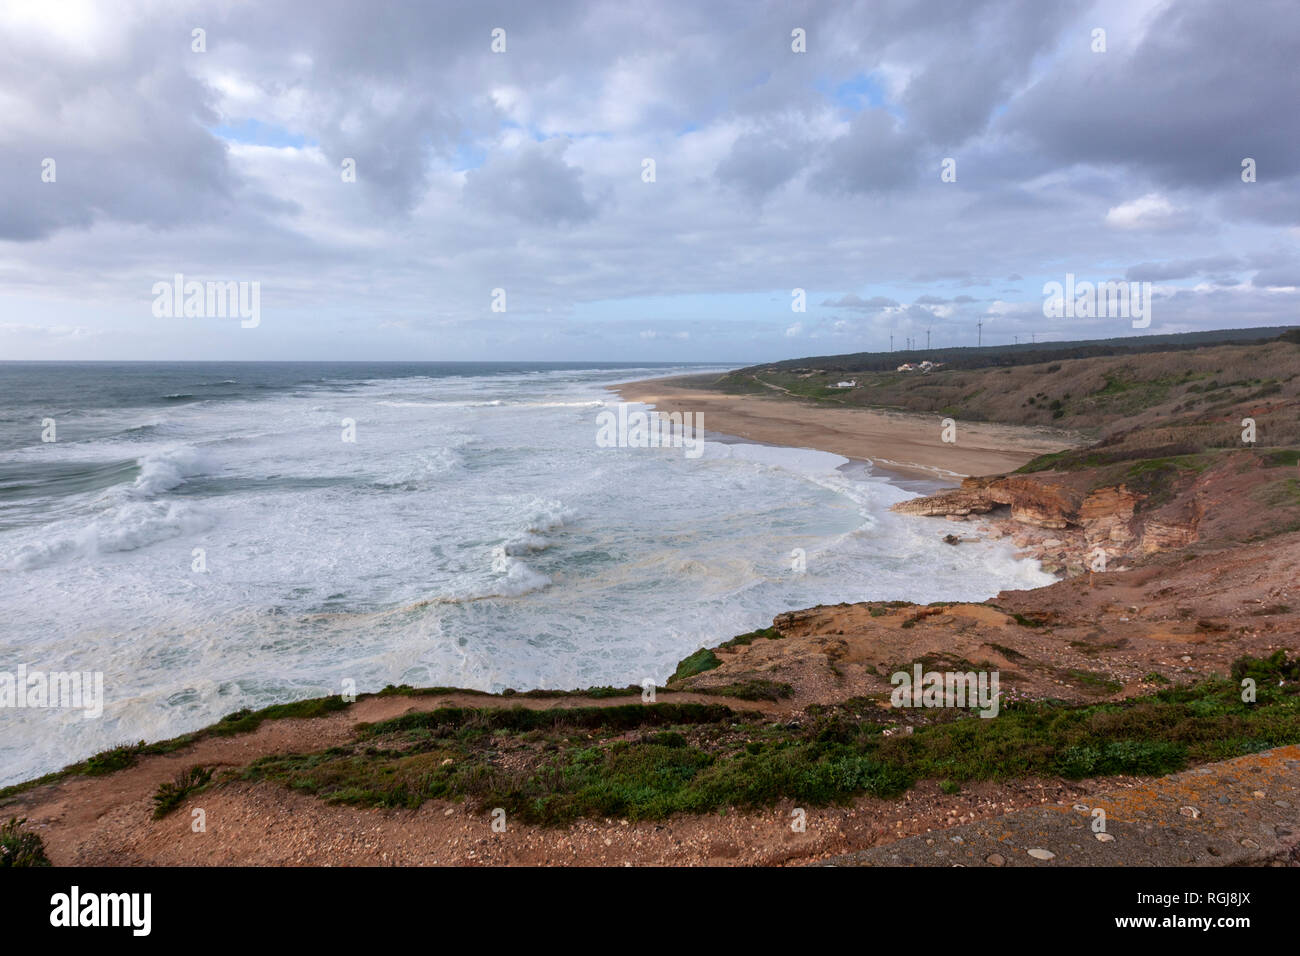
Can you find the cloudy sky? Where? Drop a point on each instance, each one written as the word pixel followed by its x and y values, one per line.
pixel 524 170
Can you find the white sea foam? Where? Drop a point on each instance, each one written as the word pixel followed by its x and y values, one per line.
pixel 124 528
pixel 165 470
pixel 473 535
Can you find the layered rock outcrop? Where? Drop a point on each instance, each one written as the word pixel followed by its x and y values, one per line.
pixel 1090 526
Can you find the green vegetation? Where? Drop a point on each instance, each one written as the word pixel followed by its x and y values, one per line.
pixel 1141 397
pixel 1279 494
pixel 1098 683
pixel 648 761
pixel 768 633
pixel 246 721
pixel 697 663
pixel 1158 480
pixel 881 608
pixel 1276 667
pixel 171 795
pixel 19 847
pixel 406 690
pixel 110 761
pixel 240 722
pixel 1024 621
pixel 756 688
pixel 1010 356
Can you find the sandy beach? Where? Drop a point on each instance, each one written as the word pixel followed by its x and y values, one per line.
pixel 901 442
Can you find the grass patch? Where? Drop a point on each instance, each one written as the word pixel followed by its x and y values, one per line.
pixel 246 721
pixel 755 688
pixel 1274 668
pixel 406 690
pixel 1097 683
pixel 110 761
pixel 699 662
pixel 649 761
pixel 171 795
pixel 617 718
pixel 1027 621
pixel 125 755
pixel 1158 480
pixel 19 847
pixel 1279 494
pixel 768 633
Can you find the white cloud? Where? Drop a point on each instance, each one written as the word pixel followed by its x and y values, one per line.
pixel 1151 211
pixel 523 170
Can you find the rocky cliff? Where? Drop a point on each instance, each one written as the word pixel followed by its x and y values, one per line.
pixel 1066 522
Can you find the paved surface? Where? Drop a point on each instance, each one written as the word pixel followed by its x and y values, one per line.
pixel 1244 811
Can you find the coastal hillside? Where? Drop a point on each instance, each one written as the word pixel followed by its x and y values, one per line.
pixel 1175 545
pixel 1194 446
pixel 1006 355
pixel 1189 394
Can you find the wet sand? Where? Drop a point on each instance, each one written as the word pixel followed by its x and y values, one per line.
pixel 905 443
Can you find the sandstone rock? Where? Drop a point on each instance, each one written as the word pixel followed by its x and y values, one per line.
pixel 1083 520
pixel 1166 536
pixel 957 502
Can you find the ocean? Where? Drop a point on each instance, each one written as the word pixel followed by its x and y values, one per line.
pixel 203 535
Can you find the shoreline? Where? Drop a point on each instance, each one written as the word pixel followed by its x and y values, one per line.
pixel 1200 584
pixel 902 444
pixel 916 479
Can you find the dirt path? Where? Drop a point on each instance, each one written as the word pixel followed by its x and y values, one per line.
pixel 1239 812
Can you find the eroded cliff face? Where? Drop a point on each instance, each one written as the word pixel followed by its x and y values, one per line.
pixel 1067 525
pixel 1038 503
